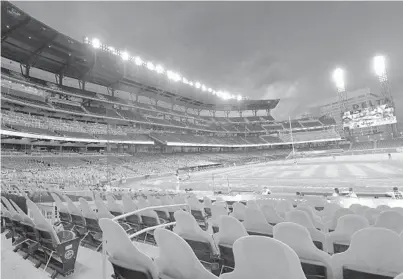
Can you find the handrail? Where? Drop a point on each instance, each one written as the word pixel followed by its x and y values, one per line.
pixel 148 208
pixel 151 228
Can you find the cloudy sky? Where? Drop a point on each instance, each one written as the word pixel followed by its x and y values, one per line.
pixel 261 50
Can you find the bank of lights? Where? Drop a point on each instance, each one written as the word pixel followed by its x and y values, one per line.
pixel 159 69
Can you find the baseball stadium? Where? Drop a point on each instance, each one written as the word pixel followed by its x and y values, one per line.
pixel 115 167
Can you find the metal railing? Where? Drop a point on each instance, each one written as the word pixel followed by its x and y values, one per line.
pixel 123 216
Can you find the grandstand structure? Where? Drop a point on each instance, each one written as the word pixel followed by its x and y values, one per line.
pixel 136 109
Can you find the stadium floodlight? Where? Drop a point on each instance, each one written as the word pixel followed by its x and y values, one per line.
pixel 159 69
pixel 239 97
pixel 138 61
pixel 210 90
pixel 185 81
pixel 338 78
pixel 125 56
pixel 150 66
pixel 95 43
pixel 191 83
pixel 197 85
pixel 380 67
pixel 203 88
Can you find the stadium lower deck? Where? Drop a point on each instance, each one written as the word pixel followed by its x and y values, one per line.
pixel 365 173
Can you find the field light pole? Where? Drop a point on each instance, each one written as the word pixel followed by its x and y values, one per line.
pixel 338 79
pixel 379 63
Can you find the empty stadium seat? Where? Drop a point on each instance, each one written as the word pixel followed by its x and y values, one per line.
pixel 64 214
pixel 207 204
pixel 216 212
pixel 264 257
pixel 358 209
pixel 56 250
pixel 283 207
pixel 77 218
pixel 127 260
pixel 184 264
pixel 256 224
pixel 400 276
pixel 94 232
pixel 230 230
pixel 373 253
pixel 238 211
pixel 197 210
pixel 316 220
pixel 252 204
pixel 332 223
pixel 372 214
pixel 113 207
pixel 201 242
pixel 383 207
pixel 315 262
pixel 391 220
pixel 328 211
pixel 302 218
pixel 339 240
pixel 271 215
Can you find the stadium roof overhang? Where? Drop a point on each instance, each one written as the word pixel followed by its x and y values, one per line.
pixel 34 44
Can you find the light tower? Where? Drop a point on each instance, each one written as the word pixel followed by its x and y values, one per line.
pixel 380 71
pixel 338 79
pixel 379 63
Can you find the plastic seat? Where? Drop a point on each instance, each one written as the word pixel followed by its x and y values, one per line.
pixel 197 210
pixel 332 223
pixel 328 211
pixel 167 200
pixel 207 204
pixel 184 264
pixel 372 252
pixel 283 207
pixel 359 209
pixel 92 225
pixel 397 209
pixel 302 218
pixel 315 262
pixel 64 213
pixel 238 211
pixel 372 214
pixel 339 240
pixel 264 257
pixel 77 217
pixel 112 205
pixel 201 242
pixel 400 276
pixel 230 230
pixel 271 215
pixel 391 220
pixel 316 220
pixel 216 212
pixel 127 260
pixel 63 246
pixel 256 224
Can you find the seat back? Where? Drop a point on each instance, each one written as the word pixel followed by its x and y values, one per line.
pixel 207 202
pixel 264 257
pixel 391 220
pixel 238 211
pixel 299 239
pixel 216 212
pixel 255 223
pixel 337 214
pixel 230 230
pixel 184 264
pixel 252 204
pixel 373 250
pixel 339 240
pixel 112 205
pixel 61 207
pixel 41 224
pixel 271 215
pixel 123 252
pixel 13 212
pixel 200 241
pixel 86 209
pixel 128 204
pixel 24 217
pixel 103 211
pixel 383 207
pixel 372 214
pixel 283 207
